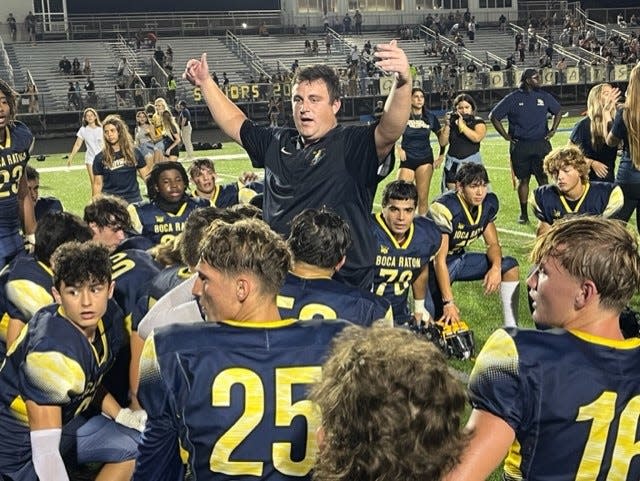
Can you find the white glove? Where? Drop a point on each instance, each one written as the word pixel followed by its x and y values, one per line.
pixel 132 419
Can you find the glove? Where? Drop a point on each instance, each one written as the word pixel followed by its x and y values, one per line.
pixel 132 419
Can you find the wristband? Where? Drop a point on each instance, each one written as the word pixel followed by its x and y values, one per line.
pixel 30 239
pixel 418 305
pixel 446 302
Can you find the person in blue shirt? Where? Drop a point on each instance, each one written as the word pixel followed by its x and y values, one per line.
pixel 526 110
pixel 590 132
pixel 626 129
pixel 414 148
pixel 16 141
pixel 116 166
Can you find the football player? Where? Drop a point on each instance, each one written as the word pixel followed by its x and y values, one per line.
pixel 201 382
pixel 16 141
pixel 390 409
pixel 203 174
pixel 405 246
pixel 463 216
pixel 42 204
pixel 52 374
pixel 161 218
pixel 563 404
pixel 30 278
pixel 318 241
pixel 572 193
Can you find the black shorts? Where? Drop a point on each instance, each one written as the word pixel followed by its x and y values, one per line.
pixel 413 163
pixel 175 151
pixel 527 156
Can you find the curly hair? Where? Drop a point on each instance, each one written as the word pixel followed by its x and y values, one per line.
pixel 593 248
pixel 76 263
pixel 153 179
pixel 12 100
pixel 390 409
pixel 247 246
pixel 108 211
pixel 566 156
pixel 55 229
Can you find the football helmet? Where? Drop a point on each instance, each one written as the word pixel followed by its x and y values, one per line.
pixel 454 339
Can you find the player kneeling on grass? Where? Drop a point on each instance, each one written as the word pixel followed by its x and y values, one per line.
pixel 463 216
pixel 52 375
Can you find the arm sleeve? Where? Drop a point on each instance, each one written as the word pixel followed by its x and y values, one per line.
pixel 45 452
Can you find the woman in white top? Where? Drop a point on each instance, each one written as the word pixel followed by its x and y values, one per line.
pixel 91 134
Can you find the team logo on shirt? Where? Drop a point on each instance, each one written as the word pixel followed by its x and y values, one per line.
pixel 318 155
pixel 384 250
pixel 159 218
pixel 540 103
pixel 461 226
pixel 556 214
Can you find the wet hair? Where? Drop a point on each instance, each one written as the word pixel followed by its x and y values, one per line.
pixel 325 73
pixel 596 249
pixel 195 228
pixel 12 100
pixel 154 177
pixel 566 156
pixel 31 173
pixel 56 228
pixel 469 173
pixel 77 263
pixel 399 190
pixel 108 210
pixel 390 408
pixel 319 237
pixel 247 246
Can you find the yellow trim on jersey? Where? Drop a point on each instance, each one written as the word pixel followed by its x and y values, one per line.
pixel 383 225
pixel 19 410
pixel 261 325
pixel 442 216
pixel 565 204
pixel 128 323
pixel 99 332
pixel 27 296
pixel 4 326
pixel 500 351
pixel 180 212
pixel 467 212
pixel 46 268
pixel 513 461
pixel 616 199
pixel 56 374
pixel 135 218
pixel 245 194
pixel 632 343
pixel 214 195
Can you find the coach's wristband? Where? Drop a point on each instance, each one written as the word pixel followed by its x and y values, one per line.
pixel 30 239
pixel 446 302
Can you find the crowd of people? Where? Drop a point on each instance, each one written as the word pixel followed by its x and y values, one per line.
pixel 186 335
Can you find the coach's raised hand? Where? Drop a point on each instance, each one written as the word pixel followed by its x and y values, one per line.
pixel 197 71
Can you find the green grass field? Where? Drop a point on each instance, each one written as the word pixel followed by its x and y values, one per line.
pixel 483 313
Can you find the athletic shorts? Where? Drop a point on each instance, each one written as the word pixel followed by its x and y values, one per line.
pixel 413 163
pixel 527 156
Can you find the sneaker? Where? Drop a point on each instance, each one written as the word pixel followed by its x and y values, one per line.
pixel 523 219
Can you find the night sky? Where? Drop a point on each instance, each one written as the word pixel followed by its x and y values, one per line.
pixel 139 6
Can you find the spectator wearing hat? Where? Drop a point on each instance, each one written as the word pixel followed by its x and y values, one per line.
pixel 529 135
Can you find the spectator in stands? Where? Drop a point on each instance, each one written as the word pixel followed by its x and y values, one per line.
pixel 263 31
pixel 152 38
pixel 307 47
pixel 90 88
pixel 73 102
pixel 159 56
pixel 42 205
pixel 138 94
pixel 86 67
pixel 155 90
pixel 358 22
pixel 314 47
pixel 346 24
pixel 31 94
pixel 89 133
pixel 64 66
pixel 30 25
pixel 171 90
pixel 561 66
pixel 620 21
pixel 76 66
pixel 122 64
pixel 273 112
pixel 13 27
pixel 633 21
pixel 168 58
pixel 502 23
pixel 295 65
pixel 328 40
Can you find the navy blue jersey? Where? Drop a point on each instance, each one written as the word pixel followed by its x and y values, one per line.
pixel 14 155
pixel 233 396
pixel 399 263
pixel 325 298
pixel 598 198
pixel 581 136
pixel 121 178
pixel 28 288
pixel 158 225
pixel 572 399
pixel 231 194
pixel 51 363
pixel 463 225
pixel 627 173
pixel 526 112
pixel 132 271
pixel 415 139
pixel 340 171
pixel 46 205
pixel 162 282
pixel 4 315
